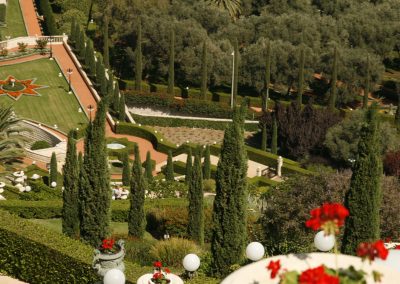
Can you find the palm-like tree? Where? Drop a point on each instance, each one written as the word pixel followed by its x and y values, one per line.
pixel 11 143
pixel 232 6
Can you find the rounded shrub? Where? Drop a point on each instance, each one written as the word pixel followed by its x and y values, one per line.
pixel 41 144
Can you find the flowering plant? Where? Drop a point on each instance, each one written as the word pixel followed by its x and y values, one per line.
pixel 330 217
pixel 160 274
pixel 108 246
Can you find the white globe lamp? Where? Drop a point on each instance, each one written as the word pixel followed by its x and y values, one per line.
pixel 392 260
pixel 28 188
pixel 53 184
pixel 255 251
pixel 114 276
pixel 191 262
pixel 324 242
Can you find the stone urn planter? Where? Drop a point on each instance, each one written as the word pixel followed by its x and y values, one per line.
pixel 104 261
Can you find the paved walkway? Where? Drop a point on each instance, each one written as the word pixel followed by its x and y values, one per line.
pixel 9 280
pixel 30 18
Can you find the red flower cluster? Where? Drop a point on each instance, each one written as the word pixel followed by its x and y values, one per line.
pixel 157 264
pixel 317 276
pixel 108 244
pixel 330 216
pixel 372 250
pixel 274 266
pixel 158 276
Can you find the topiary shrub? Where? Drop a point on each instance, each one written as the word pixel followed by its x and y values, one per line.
pixel 172 251
pixel 41 144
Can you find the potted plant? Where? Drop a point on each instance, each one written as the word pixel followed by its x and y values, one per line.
pixel 160 275
pixel 108 256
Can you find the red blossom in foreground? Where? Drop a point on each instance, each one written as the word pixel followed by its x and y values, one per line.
pixel 166 270
pixel 330 216
pixel 157 264
pixel 372 250
pixel 317 276
pixel 157 275
pixel 397 247
pixel 108 244
pixel 274 266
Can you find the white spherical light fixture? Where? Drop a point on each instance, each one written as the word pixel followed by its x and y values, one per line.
pixel 114 276
pixel 324 242
pixel 392 260
pixel 28 188
pixel 191 262
pixel 53 184
pixel 255 251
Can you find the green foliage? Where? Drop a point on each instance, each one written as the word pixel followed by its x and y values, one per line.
pixel 89 57
pixel 137 250
pixel 204 75
pixel 207 163
pixel 172 252
pixel 267 78
pixel 138 57
pixel 397 116
pixel 366 86
pixel 126 170
pixel 81 44
pixel 70 210
pixel 300 86
pixel 196 196
pixel 169 169
pixel 333 82
pixel 167 189
pixel 136 218
pixel 53 168
pixel 106 56
pixel 3 11
pixel 264 137
pixel 50 25
pixel 229 214
pixel 115 97
pixel 121 108
pixel 171 68
pixel 364 196
pixel 72 33
pixel 148 168
pixel 274 139
pixel 235 72
pixel 41 144
pixel 189 165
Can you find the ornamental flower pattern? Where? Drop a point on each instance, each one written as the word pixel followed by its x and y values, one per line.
pixel 28 87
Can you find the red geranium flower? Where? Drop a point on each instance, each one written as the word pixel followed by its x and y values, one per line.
pixel 317 276
pixel 166 270
pixel 157 275
pixel 108 244
pixel 157 264
pixel 397 247
pixel 372 250
pixel 274 266
pixel 330 216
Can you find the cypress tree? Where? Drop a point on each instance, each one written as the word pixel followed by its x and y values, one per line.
pixel 333 94
pixel 110 84
pixel 115 98
pixel 300 86
pixel 235 71
pixel 171 69
pixel 95 193
pixel 50 24
pixel 363 198
pixel 72 34
pixel 106 55
pixel 53 168
pixel 88 53
pixel 204 76
pixel 397 116
pixel 103 85
pixel 82 45
pixel 169 168
pixel 138 55
pixel 100 72
pixel 148 170
pixel 207 163
pixel 264 137
pixel 121 111
pixel 77 33
pixel 274 139
pixel 367 86
pixel 126 169
pixel 229 213
pixel 267 79
pixel 70 210
pixel 136 216
pixel 195 208
pixel 188 171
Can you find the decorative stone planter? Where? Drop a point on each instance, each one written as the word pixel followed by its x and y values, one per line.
pixel 102 262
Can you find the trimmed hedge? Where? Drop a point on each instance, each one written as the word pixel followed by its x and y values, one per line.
pixel 3 13
pixel 46 10
pixel 177 122
pixel 41 144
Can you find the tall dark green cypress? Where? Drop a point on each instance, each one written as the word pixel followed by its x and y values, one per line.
pixel 126 169
pixel 100 71
pixel 138 59
pixel 264 137
pixel 136 216
pixel 148 169
pixel 169 168
pixel 367 86
pixel 171 68
pixel 77 33
pixel 207 163
pixel 300 85
pixel 189 165
pixel 106 53
pixel 95 192
pixel 195 208
pixel 89 57
pixel 72 34
pixel 81 44
pixel 121 108
pixel 115 97
pixel 397 116
pixel 70 210
pixel 53 168
pixel 110 85
pixel 50 24
pixel 363 198
pixel 229 213
pixel 235 72
pixel 204 75
pixel 333 93
pixel 274 139
pixel 267 79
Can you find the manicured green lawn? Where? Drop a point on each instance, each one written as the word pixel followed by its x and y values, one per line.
pixel 55 105
pixel 15 21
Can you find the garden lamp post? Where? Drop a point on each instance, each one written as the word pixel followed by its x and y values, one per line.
pixel 90 109
pixel 191 263
pixel 69 72
pixel 233 76
pixel 166 236
pixel 255 251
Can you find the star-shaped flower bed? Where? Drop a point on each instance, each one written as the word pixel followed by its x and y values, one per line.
pixel 15 88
